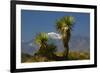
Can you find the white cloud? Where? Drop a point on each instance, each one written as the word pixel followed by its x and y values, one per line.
pixel 54 35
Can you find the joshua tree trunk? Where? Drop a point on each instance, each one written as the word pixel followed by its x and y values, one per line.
pixel 66 39
pixel 66 51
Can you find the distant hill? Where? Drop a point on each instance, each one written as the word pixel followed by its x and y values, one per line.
pixel 29 47
pixel 77 43
pixel 80 43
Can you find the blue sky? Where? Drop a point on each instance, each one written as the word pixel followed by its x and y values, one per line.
pixel 33 22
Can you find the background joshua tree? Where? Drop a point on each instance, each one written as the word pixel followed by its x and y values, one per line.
pixel 64 26
pixel 41 39
pixel 46 49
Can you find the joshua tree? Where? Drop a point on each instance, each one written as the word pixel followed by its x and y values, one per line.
pixel 41 39
pixel 64 26
pixel 46 49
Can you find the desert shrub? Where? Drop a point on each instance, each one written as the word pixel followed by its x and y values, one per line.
pixel 45 54
pixel 84 56
pixel 25 57
pixel 78 55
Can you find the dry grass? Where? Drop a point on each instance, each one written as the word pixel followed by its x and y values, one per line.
pixel 72 56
